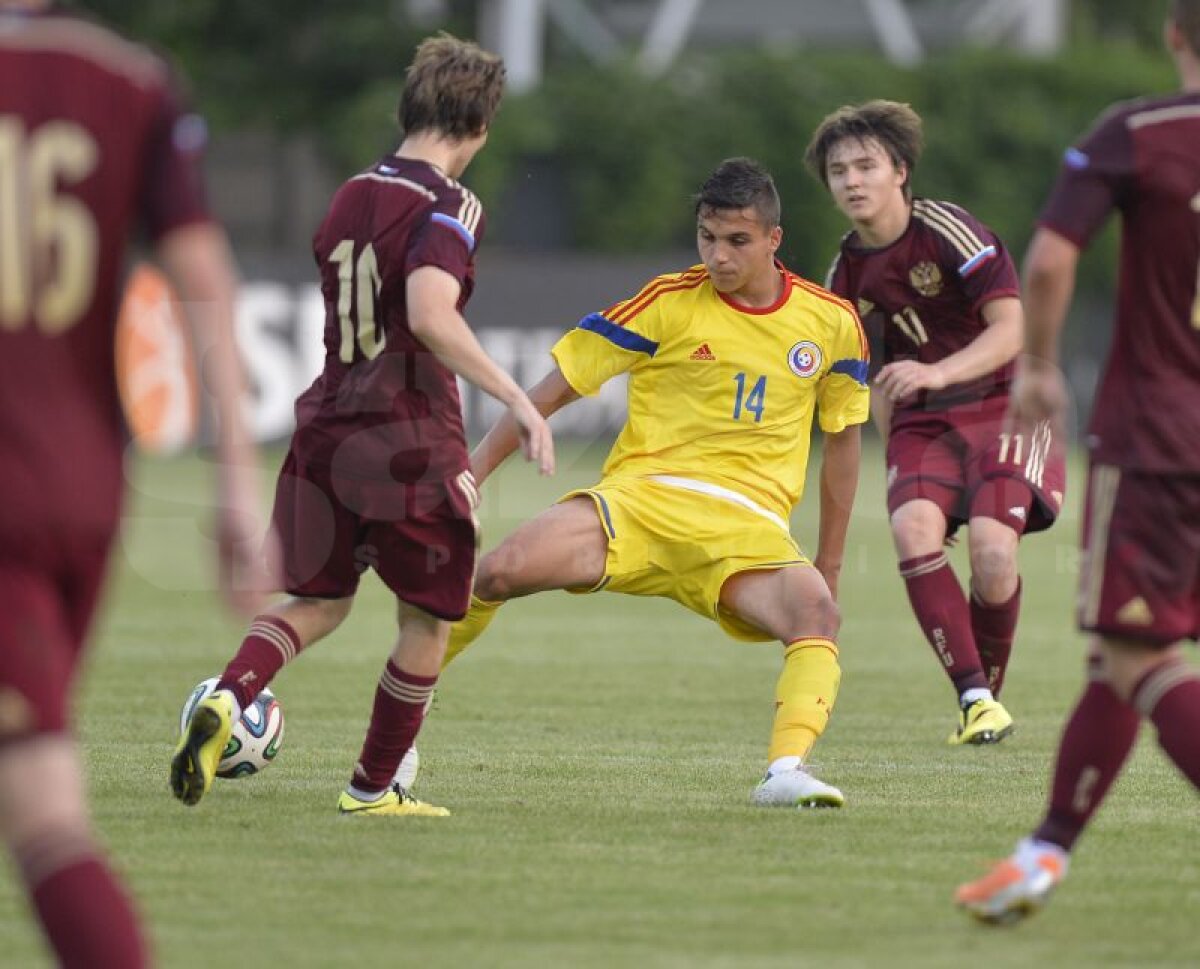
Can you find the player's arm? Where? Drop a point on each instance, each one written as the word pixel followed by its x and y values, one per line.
pixel 197 260
pixel 433 316
pixel 1039 392
pixel 999 342
pixel 840 462
pixel 548 395
pixel 881 414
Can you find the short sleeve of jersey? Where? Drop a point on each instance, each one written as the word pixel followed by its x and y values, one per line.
pixel 605 344
pixel 1091 180
pixel 843 398
pixel 450 234
pixel 173 187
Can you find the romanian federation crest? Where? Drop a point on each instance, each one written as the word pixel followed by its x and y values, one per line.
pixel 926 278
pixel 804 358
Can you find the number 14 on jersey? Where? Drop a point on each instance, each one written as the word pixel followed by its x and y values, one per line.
pixel 753 401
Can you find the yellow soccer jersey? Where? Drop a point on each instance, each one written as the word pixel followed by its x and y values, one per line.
pixel 721 393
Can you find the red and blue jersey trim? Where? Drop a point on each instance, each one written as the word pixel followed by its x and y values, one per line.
pixel 977 260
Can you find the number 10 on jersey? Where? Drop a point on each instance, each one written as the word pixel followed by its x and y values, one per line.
pixel 359 284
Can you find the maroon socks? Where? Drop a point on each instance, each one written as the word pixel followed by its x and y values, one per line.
pixel 400 701
pixel 270 643
pixel 83 909
pixel 945 618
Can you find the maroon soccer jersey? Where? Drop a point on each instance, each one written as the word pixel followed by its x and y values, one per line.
pixel 1142 158
pixel 384 408
pixel 93 144
pixel 922 295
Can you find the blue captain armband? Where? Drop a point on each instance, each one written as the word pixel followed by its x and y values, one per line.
pixel 855 369
pixel 625 339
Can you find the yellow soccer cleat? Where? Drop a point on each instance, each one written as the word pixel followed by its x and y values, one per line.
pixel 1016 887
pixel 395 802
pixel 194 763
pixel 982 722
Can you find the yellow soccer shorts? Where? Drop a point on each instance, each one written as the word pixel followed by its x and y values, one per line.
pixel 681 543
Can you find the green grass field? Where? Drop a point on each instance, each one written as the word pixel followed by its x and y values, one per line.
pixel 598 753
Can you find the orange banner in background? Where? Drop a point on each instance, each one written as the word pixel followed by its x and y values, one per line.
pixel 156 368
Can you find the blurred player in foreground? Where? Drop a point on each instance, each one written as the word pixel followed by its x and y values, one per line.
pixel 938 288
pixel 378 474
pixel 727 362
pixel 94 145
pixel 1140 586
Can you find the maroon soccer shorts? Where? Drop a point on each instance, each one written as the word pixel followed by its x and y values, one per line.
pixel 421 537
pixel 1141 543
pixel 968 462
pixel 49 586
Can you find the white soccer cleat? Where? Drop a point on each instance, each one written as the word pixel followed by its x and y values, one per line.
pixel 1016 887
pixel 410 766
pixel 796 788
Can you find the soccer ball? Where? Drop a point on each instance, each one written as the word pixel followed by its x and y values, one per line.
pixel 256 736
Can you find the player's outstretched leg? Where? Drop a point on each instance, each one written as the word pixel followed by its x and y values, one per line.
pixel 804 699
pixel 1016 887
pixel 194 763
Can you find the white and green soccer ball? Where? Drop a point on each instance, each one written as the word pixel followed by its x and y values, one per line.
pixel 256 736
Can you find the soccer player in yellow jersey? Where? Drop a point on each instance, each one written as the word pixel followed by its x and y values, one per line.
pixel 727 363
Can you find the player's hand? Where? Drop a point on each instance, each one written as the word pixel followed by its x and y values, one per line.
pixel 900 380
pixel 247 562
pixel 537 443
pixel 1039 393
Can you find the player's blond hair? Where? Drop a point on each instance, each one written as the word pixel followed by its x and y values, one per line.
pixel 453 87
pixel 895 126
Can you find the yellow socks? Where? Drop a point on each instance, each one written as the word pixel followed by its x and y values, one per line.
pixel 804 696
pixel 468 629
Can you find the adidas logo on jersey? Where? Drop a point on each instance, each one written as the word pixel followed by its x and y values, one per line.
pixel 1017 512
pixel 703 352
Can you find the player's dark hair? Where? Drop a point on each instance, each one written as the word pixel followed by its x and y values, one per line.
pixel 741 183
pixel 453 87
pixel 895 126
pixel 1186 16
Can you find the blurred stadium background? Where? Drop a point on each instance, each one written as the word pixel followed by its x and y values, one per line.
pixel 617 110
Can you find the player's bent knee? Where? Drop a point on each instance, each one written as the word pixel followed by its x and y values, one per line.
pixel 493 577
pixel 822 617
pixel 916 532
